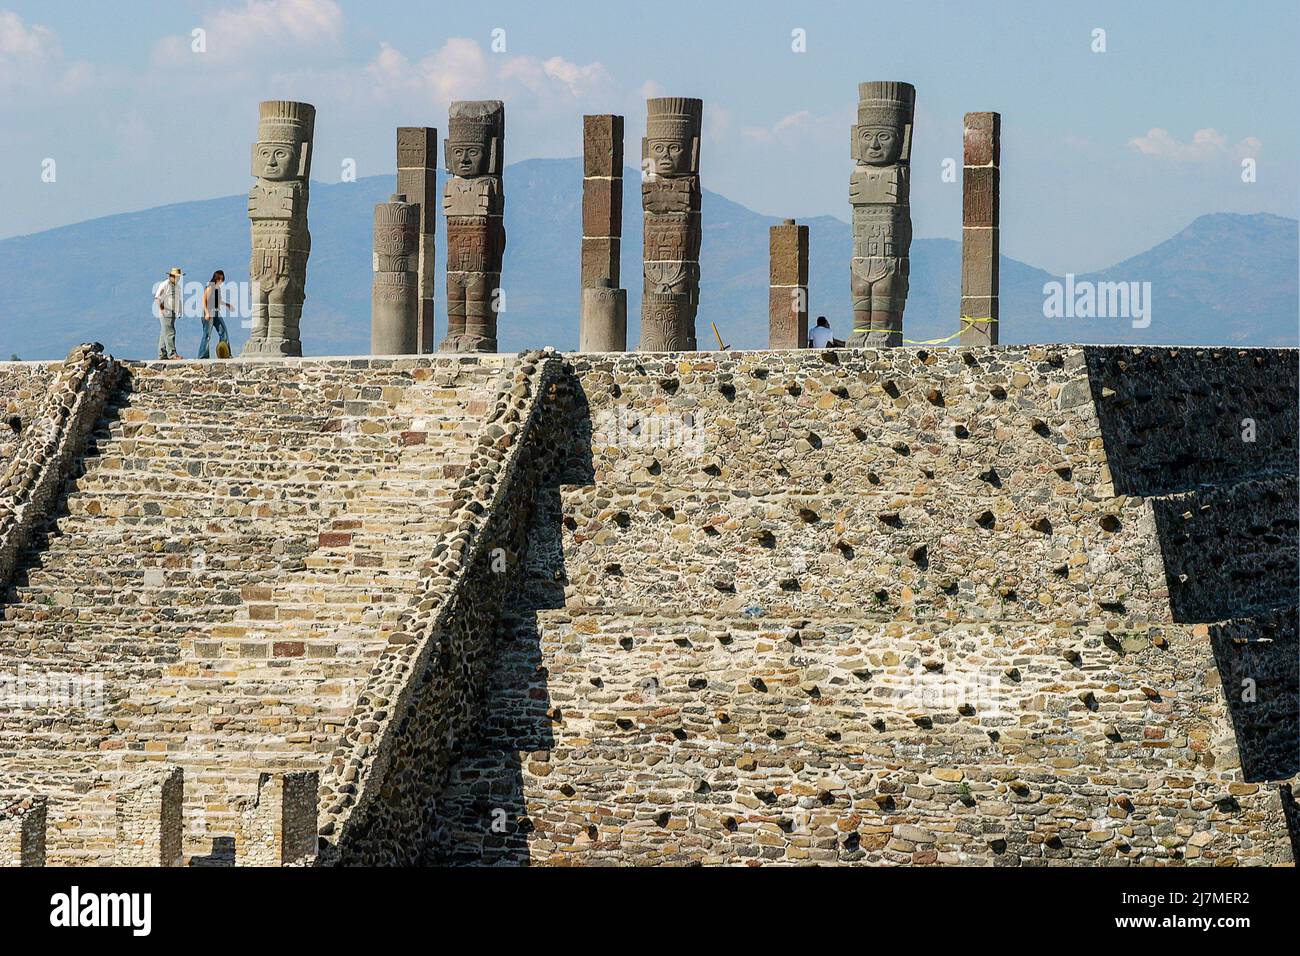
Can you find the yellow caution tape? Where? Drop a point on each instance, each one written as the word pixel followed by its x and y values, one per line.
pixel 968 319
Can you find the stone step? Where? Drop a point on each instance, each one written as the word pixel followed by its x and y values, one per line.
pixel 133 425
pixel 150 644
pixel 109 483
pixel 132 504
pixel 262 449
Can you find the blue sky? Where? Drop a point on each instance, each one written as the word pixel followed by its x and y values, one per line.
pixel 1104 154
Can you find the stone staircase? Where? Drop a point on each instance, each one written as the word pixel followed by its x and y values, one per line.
pixel 900 608
pixel 221 575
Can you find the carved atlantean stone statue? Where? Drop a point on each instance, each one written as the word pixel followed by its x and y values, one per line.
pixel 474 202
pixel 277 208
pixel 882 224
pixel 395 293
pixel 670 195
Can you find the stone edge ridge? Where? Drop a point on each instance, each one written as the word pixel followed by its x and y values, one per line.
pixel 357 764
pixel 33 478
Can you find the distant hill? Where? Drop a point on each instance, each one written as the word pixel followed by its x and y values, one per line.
pixel 1225 279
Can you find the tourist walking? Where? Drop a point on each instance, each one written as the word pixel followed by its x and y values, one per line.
pixel 212 318
pixel 167 305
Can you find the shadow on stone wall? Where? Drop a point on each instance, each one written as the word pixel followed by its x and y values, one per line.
pixel 1259 664
pixel 1210 436
pixel 481 818
pixel 1291 810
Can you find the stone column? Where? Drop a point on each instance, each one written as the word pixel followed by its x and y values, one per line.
pixel 879 191
pixel 279 828
pixel 603 325
pixel 22 832
pixel 787 295
pixel 277 209
pixel 670 196
pixel 395 292
pixel 979 229
pixel 417 180
pixel 474 203
pixel 150 819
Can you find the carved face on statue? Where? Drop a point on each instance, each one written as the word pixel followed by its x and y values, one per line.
pixel 879 145
pixel 669 157
pixel 467 160
pixel 276 161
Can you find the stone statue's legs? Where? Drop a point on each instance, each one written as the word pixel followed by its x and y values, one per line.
pixel 860 286
pixel 888 297
pixel 879 287
pixel 455 311
pixel 258 320
pixel 480 319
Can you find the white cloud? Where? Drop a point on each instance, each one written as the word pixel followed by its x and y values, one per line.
pixel 21 43
pixel 798 127
pixel 257 28
pixel 462 69
pixel 31 59
pixel 1206 145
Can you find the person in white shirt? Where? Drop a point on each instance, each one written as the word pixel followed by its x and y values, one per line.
pixel 167 305
pixel 821 336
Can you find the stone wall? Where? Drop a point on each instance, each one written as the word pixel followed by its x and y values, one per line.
pixel 24 387
pixel 22 831
pixel 48 442
pixel 227 562
pixel 1015 606
pixel 895 607
pixel 425 694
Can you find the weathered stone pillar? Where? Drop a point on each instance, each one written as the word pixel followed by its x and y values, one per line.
pixel 22 832
pixel 417 180
pixel 395 292
pixel 604 319
pixel 879 191
pixel 474 203
pixel 277 209
pixel 603 325
pixel 279 828
pixel 979 229
pixel 150 819
pixel 787 295
pixel 670 196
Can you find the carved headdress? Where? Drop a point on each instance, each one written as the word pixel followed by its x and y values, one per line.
pixel 289 123
pixel 888 103
pixel 676 119
pixel 481 123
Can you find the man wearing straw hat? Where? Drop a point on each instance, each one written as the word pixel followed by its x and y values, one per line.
pixel 167 304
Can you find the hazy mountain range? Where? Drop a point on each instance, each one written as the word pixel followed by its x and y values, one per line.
pixel 1225 279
